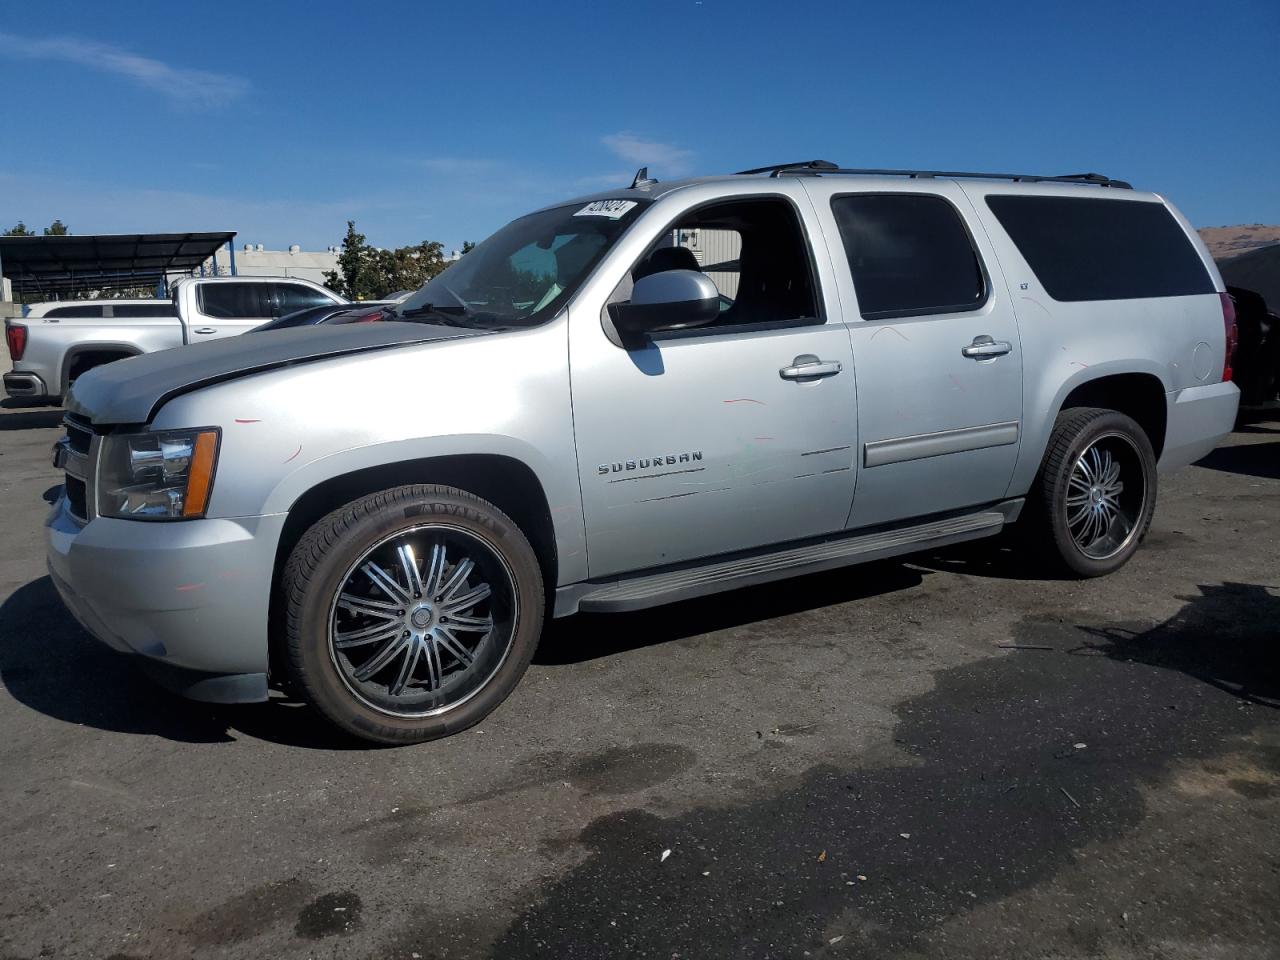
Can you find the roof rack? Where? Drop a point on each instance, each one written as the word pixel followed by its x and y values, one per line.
pixel 821 167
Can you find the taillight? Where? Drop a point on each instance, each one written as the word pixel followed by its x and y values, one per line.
pixel 369 317
pixel 1232 334
pixel 15 335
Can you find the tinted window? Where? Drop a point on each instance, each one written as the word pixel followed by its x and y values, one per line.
pixel 1094 249
pixel 909 254
pixel 142 310
pixel 86 311
pixel 289 297
pixel 753 250
pixel 234 301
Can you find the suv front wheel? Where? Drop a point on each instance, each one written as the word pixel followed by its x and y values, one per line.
pixel 410 614
pixel 1096 492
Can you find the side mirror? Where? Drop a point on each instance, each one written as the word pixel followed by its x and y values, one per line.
pixel 670 300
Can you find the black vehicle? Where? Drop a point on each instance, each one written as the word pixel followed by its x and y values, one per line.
pixel 365 312
pixel 1256 370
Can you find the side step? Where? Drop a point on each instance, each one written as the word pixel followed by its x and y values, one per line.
pixel 638 592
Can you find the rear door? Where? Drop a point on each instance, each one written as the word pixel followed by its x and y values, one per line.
pixel 935 346
pixel 227 308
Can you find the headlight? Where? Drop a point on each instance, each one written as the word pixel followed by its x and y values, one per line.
pixel 156 476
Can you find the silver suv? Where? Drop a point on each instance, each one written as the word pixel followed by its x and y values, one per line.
pixel 652 394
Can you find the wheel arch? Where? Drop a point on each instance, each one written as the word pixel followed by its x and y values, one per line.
pixel 508 483
pixel 1135 387
pixel 121 349
pixel 1140 396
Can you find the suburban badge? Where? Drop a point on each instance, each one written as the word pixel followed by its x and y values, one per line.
pixel 646 463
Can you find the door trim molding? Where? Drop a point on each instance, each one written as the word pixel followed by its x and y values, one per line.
pixel 901 449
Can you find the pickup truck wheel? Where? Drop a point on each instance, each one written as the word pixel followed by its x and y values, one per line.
pixel 411 613
pixel 1096 492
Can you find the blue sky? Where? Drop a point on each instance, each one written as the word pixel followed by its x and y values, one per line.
pixel 442 121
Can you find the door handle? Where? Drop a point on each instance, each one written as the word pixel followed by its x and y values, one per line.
pixel 986 348
pixel 206 330
pixel 808 367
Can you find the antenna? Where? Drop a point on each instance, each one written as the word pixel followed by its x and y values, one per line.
pixel 642 178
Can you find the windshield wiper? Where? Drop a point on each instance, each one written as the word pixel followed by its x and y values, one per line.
pixel 450 315
pixel 454 317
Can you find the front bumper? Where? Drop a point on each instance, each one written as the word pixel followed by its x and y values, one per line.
pixel 1198 418
pixel 190 597
pixel 24 385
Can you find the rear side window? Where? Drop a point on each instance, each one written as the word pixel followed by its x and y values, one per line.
pixel 85 311
pixel 1084 248
pixel 910 255
pixel 234 301
pixel 142 310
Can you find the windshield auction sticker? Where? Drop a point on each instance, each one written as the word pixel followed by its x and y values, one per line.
pixel 613 209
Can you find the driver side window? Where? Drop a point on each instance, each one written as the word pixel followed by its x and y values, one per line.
pixel 753 250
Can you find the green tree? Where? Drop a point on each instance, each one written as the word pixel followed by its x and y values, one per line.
pixel 19 230
pixel 57 229
pixel 357 275
pixel 408 268
pixel 367 273
pixel 467 246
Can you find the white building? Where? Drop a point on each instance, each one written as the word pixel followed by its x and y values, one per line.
pixel 253 261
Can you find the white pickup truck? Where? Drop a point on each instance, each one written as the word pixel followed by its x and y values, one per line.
pixel 56 342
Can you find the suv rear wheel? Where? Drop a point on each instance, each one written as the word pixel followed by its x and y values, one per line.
pixel 411 613
pixel 1095 494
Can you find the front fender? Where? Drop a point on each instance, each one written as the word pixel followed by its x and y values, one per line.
pixel 286 431
pixel 562 498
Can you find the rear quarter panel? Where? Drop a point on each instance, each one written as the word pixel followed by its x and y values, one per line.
pixel 1177 340
pixel 53 342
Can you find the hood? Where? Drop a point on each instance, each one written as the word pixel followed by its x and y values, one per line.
pixel 132 390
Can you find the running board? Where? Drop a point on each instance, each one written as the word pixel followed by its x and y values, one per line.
pixel 638 592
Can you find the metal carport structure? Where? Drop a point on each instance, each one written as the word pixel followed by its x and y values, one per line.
pixel 47 267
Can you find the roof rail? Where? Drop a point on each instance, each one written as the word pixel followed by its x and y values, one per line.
pixel 823 167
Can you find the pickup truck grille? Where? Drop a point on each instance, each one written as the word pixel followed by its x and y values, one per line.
pixel 75 454
pixel 79 433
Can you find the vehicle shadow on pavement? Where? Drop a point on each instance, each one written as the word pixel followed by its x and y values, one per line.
pixel 1247 459
pixel 590 636
pixel 1018 763
pixel 31 420
pixel 49 663
pixel 1242 662
pixel 1000 558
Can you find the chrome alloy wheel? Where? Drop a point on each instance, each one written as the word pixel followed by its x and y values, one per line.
pixel 423 620
pixel 1106 495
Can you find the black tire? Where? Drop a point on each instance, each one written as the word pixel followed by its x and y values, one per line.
pixel 1047 523
pixel 324 564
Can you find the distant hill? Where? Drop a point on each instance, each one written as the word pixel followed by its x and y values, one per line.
pixel 1224 242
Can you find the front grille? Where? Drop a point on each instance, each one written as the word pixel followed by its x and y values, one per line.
pixel 77 458
pixel 79 433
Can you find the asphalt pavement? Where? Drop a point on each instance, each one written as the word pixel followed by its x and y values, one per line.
pixel 932 757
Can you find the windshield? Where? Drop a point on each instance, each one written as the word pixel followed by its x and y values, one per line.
pixel 524 273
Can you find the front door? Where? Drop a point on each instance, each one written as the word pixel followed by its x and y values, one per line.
pixel 718 439
pixel 936 347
